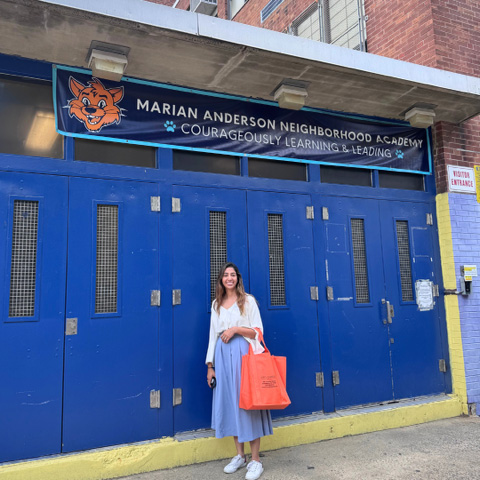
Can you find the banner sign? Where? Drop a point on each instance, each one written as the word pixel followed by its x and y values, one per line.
pixel 145 113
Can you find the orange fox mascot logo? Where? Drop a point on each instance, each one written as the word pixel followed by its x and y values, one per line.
pixel 94 105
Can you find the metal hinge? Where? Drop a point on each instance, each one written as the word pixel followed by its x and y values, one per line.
pixel 155 204
pixel 429 219
pixel 442 365
pixel 314 293
pixel 329 293
pixel 176 205
pixel 319 380
pixel 155 298
pixel 71 326
pixel 176 297
pixel 325 213
pixel 310 213
pixel 436 291
pixel 154 398
pixel 336 378
pixel 177 396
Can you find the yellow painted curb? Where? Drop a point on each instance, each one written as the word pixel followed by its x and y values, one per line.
pixel 168 453
pixel 452 312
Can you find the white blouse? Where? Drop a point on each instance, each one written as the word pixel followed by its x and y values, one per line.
pixel 232 317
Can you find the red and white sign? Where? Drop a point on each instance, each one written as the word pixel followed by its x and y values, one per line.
pixel 461 179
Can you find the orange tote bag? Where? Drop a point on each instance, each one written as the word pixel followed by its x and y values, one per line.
pixel 263 381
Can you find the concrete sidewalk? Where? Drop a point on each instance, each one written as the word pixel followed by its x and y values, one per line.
pixel 441 450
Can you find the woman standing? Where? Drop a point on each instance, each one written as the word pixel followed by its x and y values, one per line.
pixel 234 316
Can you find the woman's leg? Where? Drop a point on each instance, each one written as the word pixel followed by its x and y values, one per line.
pixel 255 448
pixel 240 447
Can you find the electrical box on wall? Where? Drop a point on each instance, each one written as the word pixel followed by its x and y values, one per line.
pixel 467 273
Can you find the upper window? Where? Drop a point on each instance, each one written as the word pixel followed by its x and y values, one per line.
pixel 339 22
pixel 269 8
pixel 282 170
pixel 206 162
pixel 235 6
pixel 87 150
pixel 27 119
pixel 346 176
pixel 405 181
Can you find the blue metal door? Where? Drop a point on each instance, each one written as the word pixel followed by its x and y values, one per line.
pixel 282 271
pixel 383 346
pixel 209 229
pixel 111 350
pixel 415 334
pixel 355 289
pixel 33 244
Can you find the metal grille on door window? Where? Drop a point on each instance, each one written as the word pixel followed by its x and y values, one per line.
pixel 24 259
pixel 107 259
pixel 403 244
pixel 218 246
pixel 276 260
pixel 360 260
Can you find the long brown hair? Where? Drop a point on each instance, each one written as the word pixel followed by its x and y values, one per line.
pixel 221 292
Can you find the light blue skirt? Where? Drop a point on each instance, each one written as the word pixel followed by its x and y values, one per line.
pixel 228 419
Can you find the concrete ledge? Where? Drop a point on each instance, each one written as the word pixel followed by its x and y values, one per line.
pixel 169 452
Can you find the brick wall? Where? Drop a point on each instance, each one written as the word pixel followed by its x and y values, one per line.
pixel 401 29
pixel 465 215
pixel 443 34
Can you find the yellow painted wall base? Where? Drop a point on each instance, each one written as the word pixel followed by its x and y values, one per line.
pixel 168 453
pixel 454 330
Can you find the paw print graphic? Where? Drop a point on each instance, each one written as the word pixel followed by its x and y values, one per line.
pixel 170 126
pixel 399 154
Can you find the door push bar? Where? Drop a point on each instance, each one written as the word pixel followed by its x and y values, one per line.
pixel 390 312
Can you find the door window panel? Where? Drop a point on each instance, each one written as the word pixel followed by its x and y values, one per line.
pixel 360 261
pixel 24 259
pixel 106 284
pixel 276 260
pixel 403 244
pixel 218 247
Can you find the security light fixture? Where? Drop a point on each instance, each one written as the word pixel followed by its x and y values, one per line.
pixel 107 64
pixel 291 95
pixel 420 117
pixel 107 60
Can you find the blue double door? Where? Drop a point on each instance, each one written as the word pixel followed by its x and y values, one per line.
pixel 270 239
pixel 79 339
pixel 385 346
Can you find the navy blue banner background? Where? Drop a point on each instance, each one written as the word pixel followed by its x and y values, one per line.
pixel 153 114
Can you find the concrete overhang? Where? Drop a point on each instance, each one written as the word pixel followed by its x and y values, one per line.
pixel 198 51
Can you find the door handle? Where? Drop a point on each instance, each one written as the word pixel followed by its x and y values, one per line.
pixel 390 312
pixel 71 326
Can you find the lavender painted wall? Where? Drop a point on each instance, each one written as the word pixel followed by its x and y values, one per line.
pixel 465 218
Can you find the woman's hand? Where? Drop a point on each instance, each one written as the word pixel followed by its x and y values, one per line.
pixel 228 334
pixel 210 375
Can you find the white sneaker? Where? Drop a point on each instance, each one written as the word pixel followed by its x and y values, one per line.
pixel 235 463
pixel 254 470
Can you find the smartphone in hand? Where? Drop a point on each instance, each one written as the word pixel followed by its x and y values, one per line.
pixel 213 382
